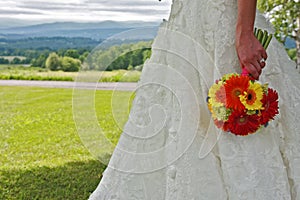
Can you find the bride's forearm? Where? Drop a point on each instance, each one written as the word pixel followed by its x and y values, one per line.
pixel 246 16
pixel 249 50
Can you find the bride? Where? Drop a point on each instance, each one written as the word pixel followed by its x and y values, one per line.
pixel 170 148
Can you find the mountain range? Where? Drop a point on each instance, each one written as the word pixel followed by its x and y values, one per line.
pixel 97 31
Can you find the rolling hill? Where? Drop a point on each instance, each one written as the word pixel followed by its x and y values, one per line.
pixel 74 35
pixel 98 31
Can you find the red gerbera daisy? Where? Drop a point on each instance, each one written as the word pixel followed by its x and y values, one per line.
pixel 270 104
pixel 221 124
pixel 234 87
pixel 242 124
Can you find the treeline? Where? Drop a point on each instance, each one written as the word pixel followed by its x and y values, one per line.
pixel 52 43
pixel 14 61
pixel 38 58
pixel 126 56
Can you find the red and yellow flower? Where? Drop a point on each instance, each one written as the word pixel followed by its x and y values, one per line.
pixel 235 86
pixel 241 106
pixel 251 98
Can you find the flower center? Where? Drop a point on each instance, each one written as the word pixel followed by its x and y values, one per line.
pixel 237 93
pixel 242 119
pixel 249 97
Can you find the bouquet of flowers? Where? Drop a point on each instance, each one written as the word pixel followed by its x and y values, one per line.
pixel 241 105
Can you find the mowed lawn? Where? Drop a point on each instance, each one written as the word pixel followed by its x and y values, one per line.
pixel 15 72
pixel 41 154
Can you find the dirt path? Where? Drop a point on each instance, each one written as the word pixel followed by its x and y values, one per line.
pixel 64 84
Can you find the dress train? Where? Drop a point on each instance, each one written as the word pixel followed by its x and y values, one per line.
pixel 170 149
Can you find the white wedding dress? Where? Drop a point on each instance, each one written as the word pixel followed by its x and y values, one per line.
pixel 170 149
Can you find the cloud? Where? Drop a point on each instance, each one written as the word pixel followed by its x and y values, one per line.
pixel 18 12
pixel 85 10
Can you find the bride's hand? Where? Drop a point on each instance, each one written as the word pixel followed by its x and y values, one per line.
pixel 251 53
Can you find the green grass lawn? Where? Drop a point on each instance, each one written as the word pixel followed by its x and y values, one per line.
pixel 15 72
pixel 42 156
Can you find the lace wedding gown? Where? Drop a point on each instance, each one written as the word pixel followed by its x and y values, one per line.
pixel 170 149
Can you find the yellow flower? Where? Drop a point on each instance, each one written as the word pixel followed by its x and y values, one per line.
pixel 251 98
pixel 228 76
pixel 215 93
pixel 210 107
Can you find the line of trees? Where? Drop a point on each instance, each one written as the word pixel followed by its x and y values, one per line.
pixel 129 56
pixel 37 57
pixel 14 61
pixel 40 43
pixel 125 56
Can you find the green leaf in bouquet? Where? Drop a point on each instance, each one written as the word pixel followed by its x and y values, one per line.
pixel 263 37
pixel 268 41
pixel 251 112
pixel 259 35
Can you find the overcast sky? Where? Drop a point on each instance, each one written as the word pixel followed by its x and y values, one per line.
pixel 84 10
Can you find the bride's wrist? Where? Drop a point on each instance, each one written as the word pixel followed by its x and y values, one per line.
pixel 243 33
pixel 243 30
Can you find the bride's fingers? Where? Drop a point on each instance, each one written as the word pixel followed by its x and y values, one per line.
pixel 253 71
pixel 258 70
pixel 264 55
pixel 261 62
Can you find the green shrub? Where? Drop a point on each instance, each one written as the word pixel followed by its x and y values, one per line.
pixel 292 53
pixel 69 64
pixel 53 62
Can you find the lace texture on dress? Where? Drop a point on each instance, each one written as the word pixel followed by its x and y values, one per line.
pixel 157 156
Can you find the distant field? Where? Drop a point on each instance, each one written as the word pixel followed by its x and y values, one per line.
pixel 42 157
pixel 14 72
pixel 10 58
